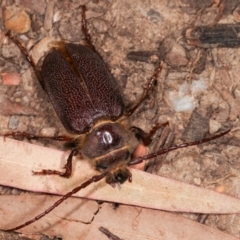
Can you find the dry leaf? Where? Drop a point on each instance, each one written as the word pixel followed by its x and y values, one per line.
pixel 81 219
pixel 18 159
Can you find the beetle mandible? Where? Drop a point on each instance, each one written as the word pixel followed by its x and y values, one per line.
pixel 98 122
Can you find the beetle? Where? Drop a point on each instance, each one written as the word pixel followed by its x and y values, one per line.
pixel 89 104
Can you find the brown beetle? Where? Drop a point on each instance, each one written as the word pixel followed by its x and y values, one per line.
pixel 89 104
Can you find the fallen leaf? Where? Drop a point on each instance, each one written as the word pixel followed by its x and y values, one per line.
pixel 19 159
pixel 81 219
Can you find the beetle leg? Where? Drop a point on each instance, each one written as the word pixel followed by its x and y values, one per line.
pixel 95 178
pixel 85 29
pixel 156 127
pixel 147 137
pixel 26 54
pixel 151 84
pixel 31 136
pixel 108 233
pixel 67 167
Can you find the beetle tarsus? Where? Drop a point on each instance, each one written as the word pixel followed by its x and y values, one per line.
pixel 67 167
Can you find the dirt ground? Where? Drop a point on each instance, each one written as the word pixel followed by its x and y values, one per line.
pixel 198 90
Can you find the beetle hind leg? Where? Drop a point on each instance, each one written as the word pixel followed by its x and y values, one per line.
pixel 68 167
pixel 26 54
pixel 147 137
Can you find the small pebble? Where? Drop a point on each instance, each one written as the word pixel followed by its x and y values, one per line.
pixel 174 54
pixel 197 181
pixel 10 78
pixel 154 16
pixel 100 25
pixel 13 122
pixel 49 132
pixel 16 20
pixel 214 126
pixel 139 151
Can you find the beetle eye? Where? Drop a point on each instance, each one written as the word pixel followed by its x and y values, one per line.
pixel 121 177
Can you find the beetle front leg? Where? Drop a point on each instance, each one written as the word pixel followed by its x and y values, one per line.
pixel 67 167
pixel 30 136
pixel 147 137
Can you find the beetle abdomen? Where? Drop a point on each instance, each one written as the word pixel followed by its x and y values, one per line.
pixel 81 91
pixel 101 85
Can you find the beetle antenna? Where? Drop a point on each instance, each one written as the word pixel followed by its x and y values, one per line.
pixel 63 198
pixel 166 150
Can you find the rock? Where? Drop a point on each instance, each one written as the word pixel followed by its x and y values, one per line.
pixel 16 20
pixel 173 53
pixel 100 25
pixel 10 78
